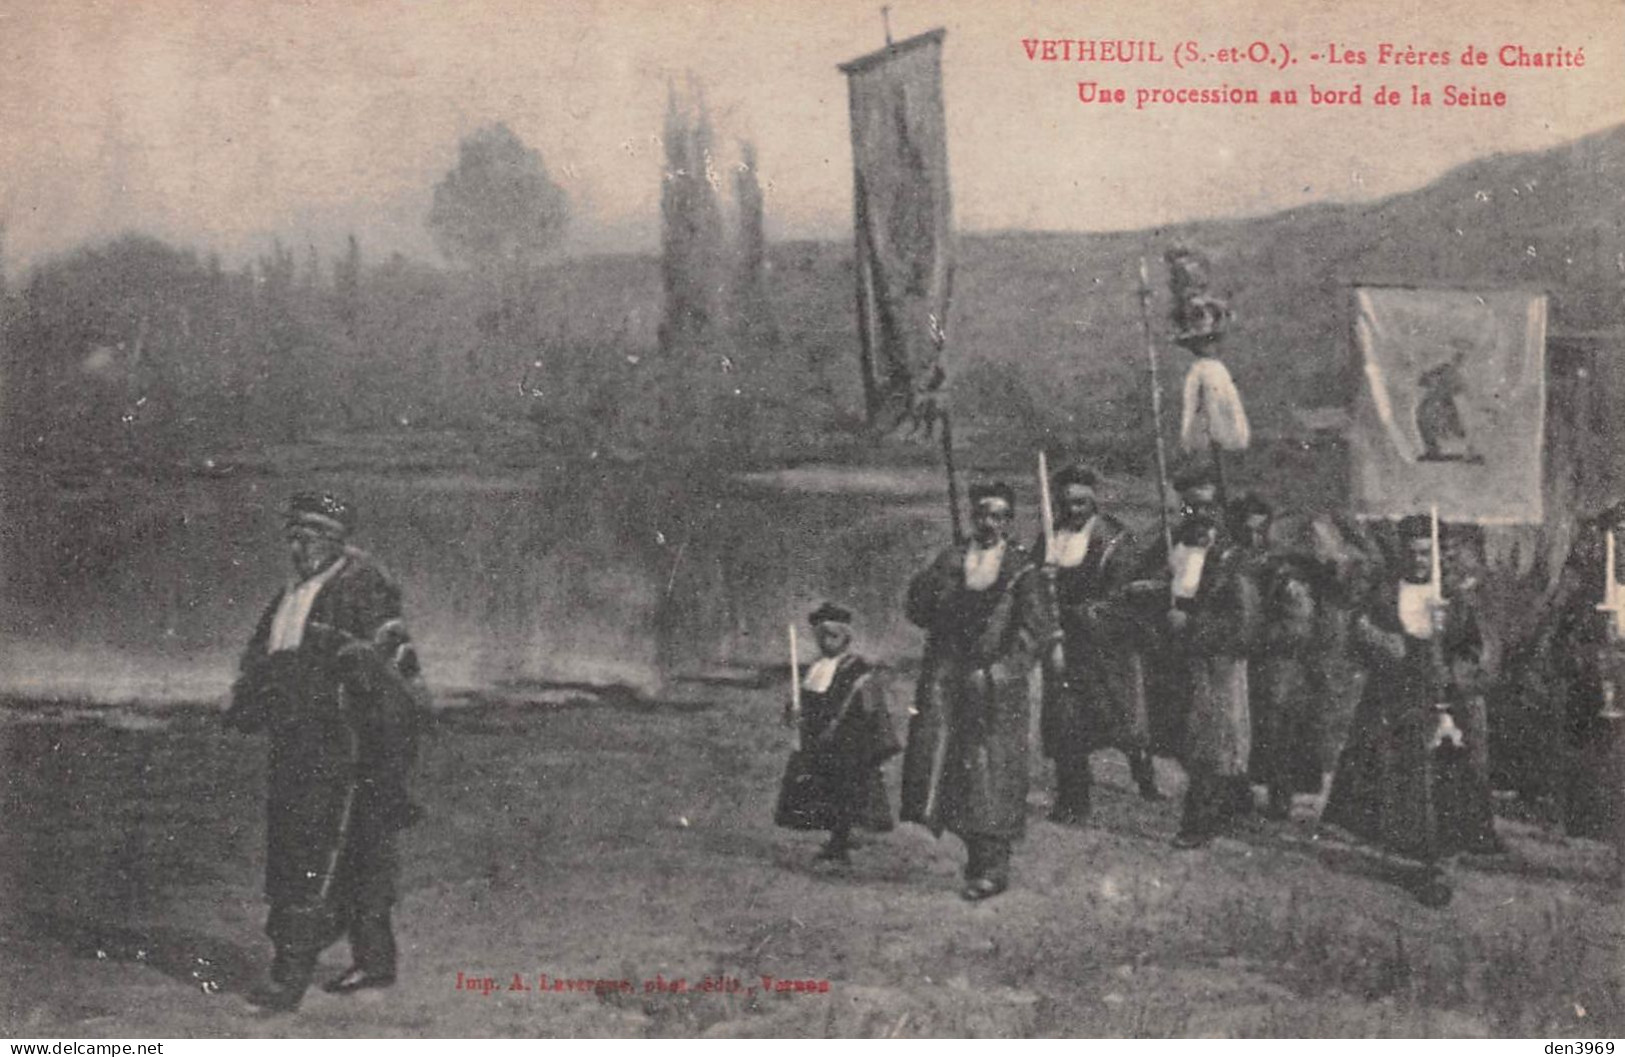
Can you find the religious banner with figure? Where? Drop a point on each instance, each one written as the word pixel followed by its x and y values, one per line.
pixel 903 224
pixel 1451 409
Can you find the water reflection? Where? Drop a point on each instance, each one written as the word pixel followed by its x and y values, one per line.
pixel 120 588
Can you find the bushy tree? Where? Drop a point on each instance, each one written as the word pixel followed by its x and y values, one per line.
pixel 498 207
pixel 694 253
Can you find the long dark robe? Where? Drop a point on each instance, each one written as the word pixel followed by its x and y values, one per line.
pixel 343 712
pixel 1392 787
pixel 1212 655
pixel 833 782
pixel 1558 739
pixel 1297 732
pixel 1099 699
pixel 1197 680
pixel 965 769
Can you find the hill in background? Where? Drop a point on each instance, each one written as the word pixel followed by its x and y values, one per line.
pixel 1046 328
pixel 1046 339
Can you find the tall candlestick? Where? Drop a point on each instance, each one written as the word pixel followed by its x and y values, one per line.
pixel 1610 575
pixel 1436 573
pixel 1046 509
pixel 795 686
pixel 1610 604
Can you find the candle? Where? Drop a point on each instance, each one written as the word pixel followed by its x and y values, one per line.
pixel 1046 510
pixel 1436 577
pixel 1609 575
pixel 1610 589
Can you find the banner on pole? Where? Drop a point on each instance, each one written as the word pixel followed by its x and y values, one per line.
pixel 1451 406
pixel 903 223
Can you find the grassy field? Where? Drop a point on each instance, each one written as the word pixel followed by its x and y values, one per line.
pixel 592 837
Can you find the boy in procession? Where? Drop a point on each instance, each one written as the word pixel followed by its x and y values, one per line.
pixel 833 780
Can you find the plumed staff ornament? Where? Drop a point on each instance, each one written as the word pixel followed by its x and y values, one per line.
pixel 1213 418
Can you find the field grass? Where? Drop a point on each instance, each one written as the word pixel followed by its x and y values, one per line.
pixel 592 836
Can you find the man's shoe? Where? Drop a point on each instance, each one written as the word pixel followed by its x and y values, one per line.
pixel 356 979
pixel 980 889
pixel 1189 841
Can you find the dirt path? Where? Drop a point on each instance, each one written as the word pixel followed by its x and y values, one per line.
pixel 628 843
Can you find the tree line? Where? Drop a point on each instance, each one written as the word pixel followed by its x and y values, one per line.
pixel 141 352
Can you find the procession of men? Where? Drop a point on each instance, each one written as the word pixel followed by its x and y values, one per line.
pixel 1215 654
pixel 1223 640
pixel 1229 640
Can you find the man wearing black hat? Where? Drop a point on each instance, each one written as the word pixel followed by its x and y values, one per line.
pixel 833 779
pixel 1212 619
pixel 1407 779
pixel 1200 681
pixel 331 677
pixel 1167 687
pixel 986 618
pixel 1094 681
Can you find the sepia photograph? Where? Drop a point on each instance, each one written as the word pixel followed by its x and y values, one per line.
pixel 566 519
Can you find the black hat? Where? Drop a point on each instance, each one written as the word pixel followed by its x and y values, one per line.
pixel 1075 473
pixel 979 493
pixel 322 511
pixel 830 613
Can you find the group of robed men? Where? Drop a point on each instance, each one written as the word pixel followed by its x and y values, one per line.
pixel 1216 652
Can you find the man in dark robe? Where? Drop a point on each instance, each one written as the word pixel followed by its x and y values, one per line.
pixel 1577 670
pixel 1213 616
pixel 833 779
pixel 1094 678
pixel 1304 680
pixel 1284 685
pixel 1294 731
pixel 331 677
pixel 986 618
pixel 1410 778
pixel 1167 685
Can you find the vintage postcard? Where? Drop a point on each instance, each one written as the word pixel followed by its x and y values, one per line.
pixel 941 519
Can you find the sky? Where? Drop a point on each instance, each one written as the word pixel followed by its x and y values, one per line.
pixel 216 123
